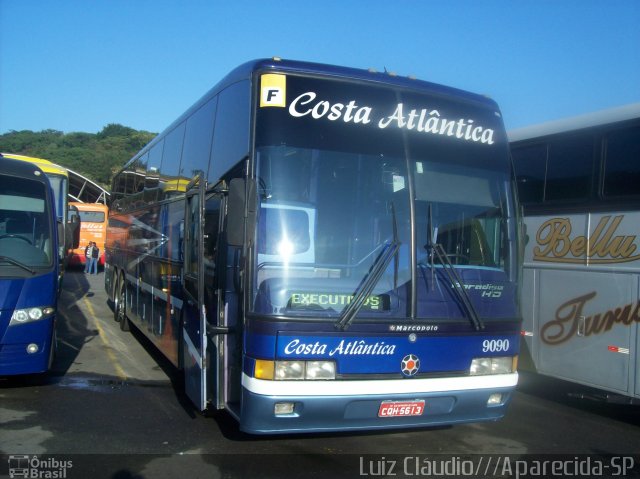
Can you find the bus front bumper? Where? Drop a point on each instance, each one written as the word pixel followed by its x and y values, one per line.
pixel 17 355
pixel 356 405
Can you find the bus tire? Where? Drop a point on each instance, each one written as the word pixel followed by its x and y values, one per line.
pixel 114 295
pixel 120 305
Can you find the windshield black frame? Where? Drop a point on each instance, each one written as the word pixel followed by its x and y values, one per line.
pixel 382 123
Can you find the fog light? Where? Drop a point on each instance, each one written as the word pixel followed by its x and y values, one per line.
pixel 495 399
pixel 32 348
pixel 283 408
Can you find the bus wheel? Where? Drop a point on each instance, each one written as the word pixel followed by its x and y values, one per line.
pixel 116 297
pixel 120 305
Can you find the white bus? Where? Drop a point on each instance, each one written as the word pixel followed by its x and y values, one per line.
pixel 579 184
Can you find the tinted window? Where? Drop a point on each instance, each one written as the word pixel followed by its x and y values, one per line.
pixel 152 178
pixel 91 216
pixel 530 163
pixel 622 164
pixel 172 153
pixel 139 172
pixel 142 165
pixel 155 156
pixel 197 140
pixel 569 168
pixel 231 136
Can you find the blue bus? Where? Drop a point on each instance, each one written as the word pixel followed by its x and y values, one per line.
pixel 322 248
pixel 29 266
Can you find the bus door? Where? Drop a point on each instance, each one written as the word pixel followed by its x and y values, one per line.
pixel 194 338
pixel 203 328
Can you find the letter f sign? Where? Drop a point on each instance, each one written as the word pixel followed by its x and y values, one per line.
pixel 273 90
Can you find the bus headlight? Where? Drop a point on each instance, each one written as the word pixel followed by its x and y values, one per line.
pixel 26 315
pixel 289 370
pixel 320 370
pixel 500 365
pixel 294 370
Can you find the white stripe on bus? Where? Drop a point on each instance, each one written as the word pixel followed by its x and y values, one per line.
pixel 383 386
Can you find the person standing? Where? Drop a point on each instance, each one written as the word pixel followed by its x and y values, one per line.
pixel 95 254
pixel 88 254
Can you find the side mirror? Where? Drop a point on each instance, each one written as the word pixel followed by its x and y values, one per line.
pixel 75 234
pixel 241 205
pixel 62 244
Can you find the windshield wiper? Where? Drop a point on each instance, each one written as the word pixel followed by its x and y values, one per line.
pixel 18 263
pixel 458 285
pixel 436 249
pixel 371 279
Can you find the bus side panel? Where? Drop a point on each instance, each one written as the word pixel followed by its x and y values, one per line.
pixel 528 347
pixel 635 354
pixel 578 336
pixel 145 246
pixel 582 274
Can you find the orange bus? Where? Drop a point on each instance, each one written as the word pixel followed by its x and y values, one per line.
pixel 93 227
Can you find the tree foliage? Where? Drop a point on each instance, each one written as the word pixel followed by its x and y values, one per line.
pixel 96 156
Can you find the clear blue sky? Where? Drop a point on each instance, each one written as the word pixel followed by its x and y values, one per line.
pixel 78 65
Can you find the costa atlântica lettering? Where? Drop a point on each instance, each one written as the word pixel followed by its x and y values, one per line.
pixel 424 120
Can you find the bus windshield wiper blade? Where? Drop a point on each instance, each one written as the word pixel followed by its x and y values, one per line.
pixel 367 284
pixel 457 284
pixel 436 249
pixel 18 263
pixel 371 279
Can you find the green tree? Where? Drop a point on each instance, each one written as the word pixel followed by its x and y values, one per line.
pixel 96 156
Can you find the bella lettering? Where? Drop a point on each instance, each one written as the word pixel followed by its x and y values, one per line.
pixel 603 246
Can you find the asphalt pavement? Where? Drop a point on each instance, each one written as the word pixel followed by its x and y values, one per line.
pixel 115 408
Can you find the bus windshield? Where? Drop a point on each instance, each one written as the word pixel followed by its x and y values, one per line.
pixel 25 227
pixel 335 195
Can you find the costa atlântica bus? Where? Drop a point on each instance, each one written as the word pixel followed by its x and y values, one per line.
pixel 342 252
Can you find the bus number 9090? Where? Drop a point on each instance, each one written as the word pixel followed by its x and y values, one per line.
pixel 495 345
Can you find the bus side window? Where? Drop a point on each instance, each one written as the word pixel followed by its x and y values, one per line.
pixel 530 165
pixel 622 164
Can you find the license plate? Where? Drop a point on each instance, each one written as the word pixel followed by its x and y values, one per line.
pixel 401 408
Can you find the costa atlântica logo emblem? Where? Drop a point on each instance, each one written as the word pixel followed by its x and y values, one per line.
pixel 410 365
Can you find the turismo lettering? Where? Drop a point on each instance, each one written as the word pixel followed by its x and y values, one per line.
pixel 422 120
pixel 602 247
pixel 567 320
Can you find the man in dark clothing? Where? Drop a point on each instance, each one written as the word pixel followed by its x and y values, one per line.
pixel 95 254
pixel 88 253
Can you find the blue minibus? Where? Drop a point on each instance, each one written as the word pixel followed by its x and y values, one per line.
pixel 28 269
